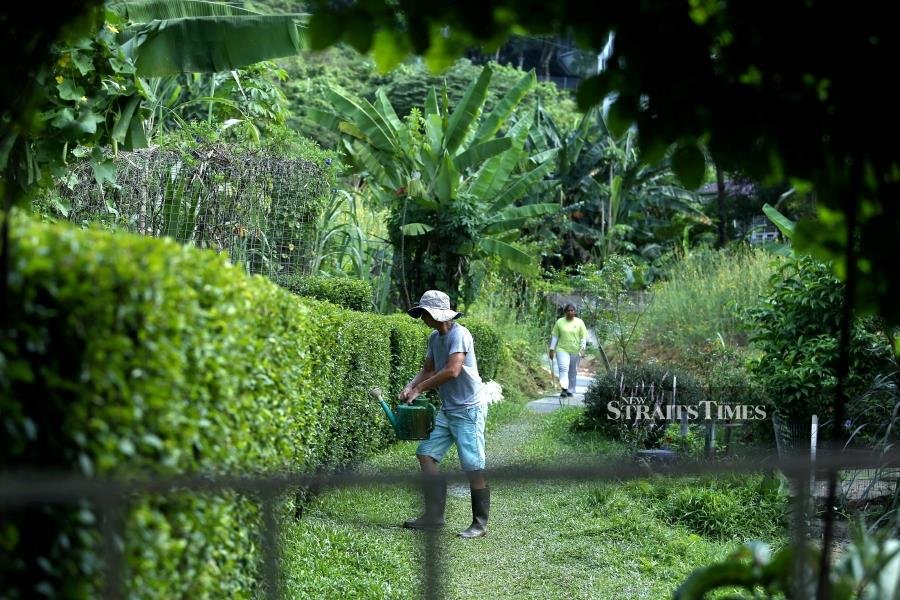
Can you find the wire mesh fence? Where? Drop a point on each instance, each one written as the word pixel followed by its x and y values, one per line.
pixel 259 208
pixel 111 499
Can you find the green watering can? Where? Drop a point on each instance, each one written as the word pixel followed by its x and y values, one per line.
pixel 410 421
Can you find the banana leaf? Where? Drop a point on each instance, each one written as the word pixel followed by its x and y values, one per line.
pixel 509 255
pixel 520 186
pixel 143 11
pixel 325 119
pixel 431 105
pixel 447 181
pixel 504 225
pixel 495 120
pixel 434 135
pixel 785 225
pixel 377 163
pixel 413 229
pixel 543 156
pixel 465 112
pixel 387 111
pixel 515 217
pixel 364 116
pixel 529 211
pixel 494 174
pixel 481 152
pixel 120 127
pixel 209 44
pixel 352 130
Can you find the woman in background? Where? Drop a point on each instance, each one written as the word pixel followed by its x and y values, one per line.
pixel 567 342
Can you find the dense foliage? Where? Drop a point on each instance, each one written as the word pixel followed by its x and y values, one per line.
pixel 455 188
pixel 136 356
pixel 705 297
pixel 613 201
pixel 868 569
pixel 726 75
pixel 115 73
pixel 797 332
pixel 346 292
pixel 312 75
pixel 211 189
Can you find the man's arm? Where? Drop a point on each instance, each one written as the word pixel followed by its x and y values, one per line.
pixel 450 371
pixel 425 372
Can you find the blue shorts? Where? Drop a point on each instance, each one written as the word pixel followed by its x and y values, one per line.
pixel 464 426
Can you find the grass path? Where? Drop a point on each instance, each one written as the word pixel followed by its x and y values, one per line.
pixel 546 540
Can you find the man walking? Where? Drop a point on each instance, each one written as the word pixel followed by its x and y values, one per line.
pixel 451 367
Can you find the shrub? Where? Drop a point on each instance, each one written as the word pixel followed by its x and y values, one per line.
pixel 352 354
pixel 130 355
pixel 726 378
pixel 650 383
pixel 691 445
pixel 797 333
pixel 347 292
pixel 408 339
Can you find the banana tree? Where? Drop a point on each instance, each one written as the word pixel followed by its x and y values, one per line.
pixel 614 201
pixel 453 185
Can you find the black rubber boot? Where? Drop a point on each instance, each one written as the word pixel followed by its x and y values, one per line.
pixel 435 492
pixel 481 506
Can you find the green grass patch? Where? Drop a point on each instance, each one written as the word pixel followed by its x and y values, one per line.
pixel 729 508
pixel 637 539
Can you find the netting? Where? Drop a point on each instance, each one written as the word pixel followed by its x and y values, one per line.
pixel 258 208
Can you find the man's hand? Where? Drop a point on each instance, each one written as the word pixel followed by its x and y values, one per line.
pixel 552 352
pixel 409 394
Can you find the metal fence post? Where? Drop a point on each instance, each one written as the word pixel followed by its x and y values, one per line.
pixel 710 438
pixel 271 548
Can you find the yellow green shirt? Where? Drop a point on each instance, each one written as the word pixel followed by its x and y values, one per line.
pixel 570 334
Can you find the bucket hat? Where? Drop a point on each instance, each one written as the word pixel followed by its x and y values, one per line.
pixel 437 303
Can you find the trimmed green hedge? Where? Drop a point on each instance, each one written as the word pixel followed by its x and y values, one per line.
pixel 132 355
pixel 354 294
pixel 127 355
pixel 352 354
pixel 408 339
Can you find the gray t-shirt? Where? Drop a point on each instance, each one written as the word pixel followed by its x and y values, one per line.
pixel 461 392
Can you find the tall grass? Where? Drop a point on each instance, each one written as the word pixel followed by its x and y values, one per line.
pixel 524 317
pixel 519 310
pixel 705 296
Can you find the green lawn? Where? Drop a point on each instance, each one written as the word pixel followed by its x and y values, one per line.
pixel 546 540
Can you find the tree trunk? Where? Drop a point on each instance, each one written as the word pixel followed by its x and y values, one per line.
pixel 546 55
pixel 720 201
